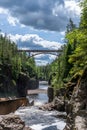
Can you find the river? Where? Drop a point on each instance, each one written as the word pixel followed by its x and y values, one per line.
pixel 38 119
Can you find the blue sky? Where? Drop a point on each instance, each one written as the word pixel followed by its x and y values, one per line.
pixel 38 24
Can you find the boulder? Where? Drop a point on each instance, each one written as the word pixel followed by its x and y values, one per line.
pixel 47 106
pixel 12 122
pixel 59 103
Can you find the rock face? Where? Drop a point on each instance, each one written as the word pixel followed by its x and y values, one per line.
pixel 50 93
pixel 7 83
pixel 12 122
pixel 57 102
pixel 33 84
pixel 76 107
pixel 22 82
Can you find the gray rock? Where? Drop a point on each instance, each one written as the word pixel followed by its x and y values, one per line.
pixel 12 122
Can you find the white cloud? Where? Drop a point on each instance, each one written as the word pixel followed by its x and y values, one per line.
pixel 41 62
pixel 39 55
pixel 3 11
pixel 52 57
pixel 70 9
pixel 12 21
pixel 35 39
pixel 15 38
pixel 62 33
pixel 48 44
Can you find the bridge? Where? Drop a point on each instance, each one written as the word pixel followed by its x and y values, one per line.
pixel 38 51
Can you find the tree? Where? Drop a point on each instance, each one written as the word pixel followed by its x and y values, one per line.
pixel 79 57
pixel 70 26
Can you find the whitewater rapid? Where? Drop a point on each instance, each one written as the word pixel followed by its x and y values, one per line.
pixel 39 119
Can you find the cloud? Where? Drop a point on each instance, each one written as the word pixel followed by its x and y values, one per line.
pixel 62 33
pixel 51 15
pixel 12 21
pixel 3 11
pixel 41 62
pixel 70 7
pixel 33 41
pixel 44 59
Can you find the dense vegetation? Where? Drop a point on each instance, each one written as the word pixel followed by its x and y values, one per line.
pixel 12 63
pixel 73 58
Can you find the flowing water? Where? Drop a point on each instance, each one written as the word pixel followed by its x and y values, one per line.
pixel 38 119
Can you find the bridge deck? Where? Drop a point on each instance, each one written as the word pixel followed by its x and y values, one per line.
pixel 39 50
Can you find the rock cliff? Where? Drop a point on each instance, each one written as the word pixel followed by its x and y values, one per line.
pixel 76 107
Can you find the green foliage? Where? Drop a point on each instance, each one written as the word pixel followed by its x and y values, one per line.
pixel 13 61
pixel 79 56
pixel 73 58
pixel 43 72
pixel 70 26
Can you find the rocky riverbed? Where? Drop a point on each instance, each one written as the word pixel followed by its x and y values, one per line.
pixel 72 100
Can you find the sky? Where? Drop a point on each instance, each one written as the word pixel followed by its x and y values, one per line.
pixel 38 24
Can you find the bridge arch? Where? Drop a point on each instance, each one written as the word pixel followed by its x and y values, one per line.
pixel 33 55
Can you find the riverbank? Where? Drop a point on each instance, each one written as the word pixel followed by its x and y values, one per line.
pixel 73 100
